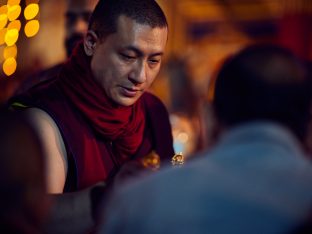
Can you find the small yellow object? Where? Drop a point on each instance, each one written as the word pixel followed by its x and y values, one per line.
pixel 11 37
pixel 3 20
pixel 31 11
pixel 177 159
pixel 9 66
pixel 31 28
pixel 151 161
pixel 10 51
pixel 14 12
pixel 15 24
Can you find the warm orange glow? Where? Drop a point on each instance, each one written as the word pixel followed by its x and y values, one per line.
pixel 13 2
pixel 4 9
pixel 31 28
pixel 10 52
pixel 31 11
pixel 14 12
pixel 15 24
pixel 9 66
pixel 3 20
pixel 2 35
pixel 11 37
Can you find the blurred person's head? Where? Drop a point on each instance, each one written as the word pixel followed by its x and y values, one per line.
pixel 23 201
pixel 263 82
pixel 126 42
pixel 77 17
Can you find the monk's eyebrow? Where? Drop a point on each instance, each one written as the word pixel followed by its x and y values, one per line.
pixel 140 53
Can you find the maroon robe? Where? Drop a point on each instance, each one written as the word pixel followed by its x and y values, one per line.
pixel 90 156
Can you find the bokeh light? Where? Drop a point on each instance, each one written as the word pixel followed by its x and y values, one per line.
pixel 4 9
pixel 9 66
pixel 13 2
pixel 15 24
pixel 2 35
pixel 14 12
pixel 3 20
pixel 11 37
pixel 32 28
pixel 10 27
pixel 10 52
pixel 31 11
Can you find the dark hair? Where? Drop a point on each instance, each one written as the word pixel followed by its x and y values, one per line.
pixel 107 12
pixel 264 82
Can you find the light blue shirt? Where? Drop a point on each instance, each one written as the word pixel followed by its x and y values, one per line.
pixel 256 180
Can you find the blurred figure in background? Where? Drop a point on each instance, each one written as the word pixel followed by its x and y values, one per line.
pixel 77 17
pixel 256 179
pixel 23 200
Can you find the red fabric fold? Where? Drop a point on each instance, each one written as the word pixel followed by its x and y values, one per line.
pixel 123 126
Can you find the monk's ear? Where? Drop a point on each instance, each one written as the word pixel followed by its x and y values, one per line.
pixel 90 42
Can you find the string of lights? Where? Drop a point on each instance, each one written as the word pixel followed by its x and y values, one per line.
pixel 10 29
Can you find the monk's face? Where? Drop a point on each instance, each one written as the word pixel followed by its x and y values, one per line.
pixel 126 62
